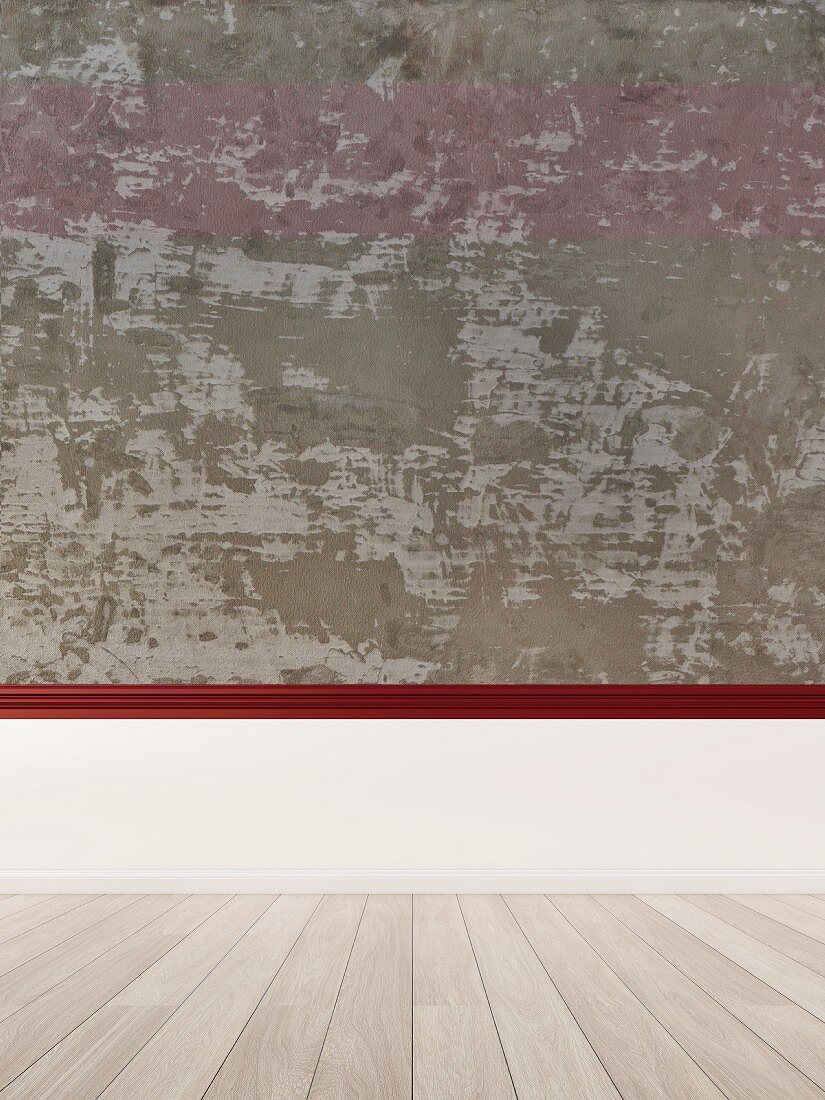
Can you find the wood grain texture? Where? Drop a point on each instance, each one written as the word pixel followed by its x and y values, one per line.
pixel 32 1031
pixel 808 903
pixel 28 945
pixel 767 929
pixel 456 1046
pixel 735 1059
pixel 804 921
pixel 547 1052
pixel 278 1050
pixel 797 982
pixel 16 903
pixel 91 1056
pixel 186 1053
pixel 781 1023
pixel 393 998
pixel 367 1054
pixel 642 1058
pixel 42 912
pixel 33 978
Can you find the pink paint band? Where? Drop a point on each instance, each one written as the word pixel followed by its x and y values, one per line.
pixel 573 160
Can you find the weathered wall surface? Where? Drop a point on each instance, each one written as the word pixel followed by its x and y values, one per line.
pixel 500 41
pixel 467 452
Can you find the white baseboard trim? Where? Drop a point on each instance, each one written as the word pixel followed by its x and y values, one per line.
pixel 384 881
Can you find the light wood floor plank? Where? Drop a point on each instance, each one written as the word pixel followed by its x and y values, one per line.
pixel 181 1060
pixel 113 1033
pixel 779 910
pixel 457 1051
pixel 34 978
pixel 367 1052
pixel 796 945
pixel 471 998
pixel 738 1061
pixel 16 903
pixel 796 982
pixel 34 916
pixel 278 1051
pixel 547 1053
pixel 35 1029
pixel 644 1061
pixel 791 1030
pixel 87 1060
pixel 808 903
pixel 28 945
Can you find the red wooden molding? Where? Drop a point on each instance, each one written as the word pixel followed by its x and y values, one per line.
pixel 414 701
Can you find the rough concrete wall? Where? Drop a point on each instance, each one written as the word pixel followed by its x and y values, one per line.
pixel 498 41
pixel 450 457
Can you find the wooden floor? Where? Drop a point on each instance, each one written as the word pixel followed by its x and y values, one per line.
pixel 438 997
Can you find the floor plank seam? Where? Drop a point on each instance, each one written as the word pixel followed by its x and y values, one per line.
pixel 337 995
pixel 69 939
pixel 90 962
pixel 734 962
pixel 42 924
pixel 762 943
pixel 779 924
pixel 487 996
pixel 698 1021
pixel 274 976
pixel 724 1008
pixel 24 909
pixel 564 1000
pixel 188 995
pixel 787 899
pixel 108 999
pixel 635 995
pixel 193 990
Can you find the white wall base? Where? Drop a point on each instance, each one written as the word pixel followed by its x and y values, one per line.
pixel 468 805
pixel 414 881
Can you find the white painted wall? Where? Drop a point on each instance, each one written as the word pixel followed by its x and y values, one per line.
pixel 405 795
